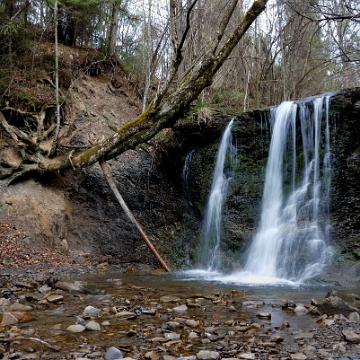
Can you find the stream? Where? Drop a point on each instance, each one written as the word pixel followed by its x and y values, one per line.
pixel 174 315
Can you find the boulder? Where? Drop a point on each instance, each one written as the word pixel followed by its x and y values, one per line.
pixel 334 305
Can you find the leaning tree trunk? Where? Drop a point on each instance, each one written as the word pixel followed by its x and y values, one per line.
pixel 130 215
pixel 161 113
pixel 168 105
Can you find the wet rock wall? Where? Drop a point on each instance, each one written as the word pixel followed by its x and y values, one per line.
pixel 251 136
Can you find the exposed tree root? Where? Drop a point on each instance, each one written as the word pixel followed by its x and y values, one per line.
pixel 24 170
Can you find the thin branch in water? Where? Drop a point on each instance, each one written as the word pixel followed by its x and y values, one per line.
pixel 39 341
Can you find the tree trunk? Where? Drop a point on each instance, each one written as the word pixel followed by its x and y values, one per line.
pixel 130 215
pixel 148 56
pixel 57 112
pixel 112 32
pixel 168 105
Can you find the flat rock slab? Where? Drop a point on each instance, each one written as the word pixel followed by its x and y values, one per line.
pixel 247 356
pixel 76 286
pixel 169 298
pixel 304 335
pixel 207 355
pixel 126 315
pixel 53 298
pixel 8 319
pixel 298 356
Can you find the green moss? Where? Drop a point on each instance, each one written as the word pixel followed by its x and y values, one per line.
pixel 26 97
pixel 356 253
pixel 50 58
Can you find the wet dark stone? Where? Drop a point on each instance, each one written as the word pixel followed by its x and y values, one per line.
pixel 334 305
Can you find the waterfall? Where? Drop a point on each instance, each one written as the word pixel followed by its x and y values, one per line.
pixel 291 244
pixel 211 234
pixel 292 240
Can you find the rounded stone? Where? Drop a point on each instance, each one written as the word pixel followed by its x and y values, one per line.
pixel 76 328
pixel 354 316
pixel 93 326
pixel 114 353
pixel 91 311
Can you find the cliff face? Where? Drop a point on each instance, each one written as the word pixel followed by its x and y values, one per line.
pixel 80 207
pixel 345 203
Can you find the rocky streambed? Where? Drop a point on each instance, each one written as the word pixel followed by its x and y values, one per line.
pixel 119 316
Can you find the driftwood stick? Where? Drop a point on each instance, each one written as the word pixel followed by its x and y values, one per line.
pixel 42 342
pixel 128 212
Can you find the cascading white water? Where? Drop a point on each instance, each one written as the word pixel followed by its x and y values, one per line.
pixel 211 234
pixel 292 240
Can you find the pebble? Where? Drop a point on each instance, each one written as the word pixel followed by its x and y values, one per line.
pixel 277 339
pixel 78 286
pixel 253 304
pixel 8 319
pixel 351 336
pixel 44 289
pixel 173 325
pixel 298 356
pixel 149 311
pixel 91 311
pixel 126 315
pixel 53 298
pixel 113 353
pixel 301 310
pixel 192 335
pixel 93 326
pixel 152 355
pixel 172 336
pixel 192 323
pixel 76 328
pixel 247 356
pixel 169 298
pixel 354 316
pixel 20 307
pixel 207 355
pixel 4 302
pixel 264 315
pixel 212 327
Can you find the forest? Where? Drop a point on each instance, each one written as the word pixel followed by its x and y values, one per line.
pixel 229 56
